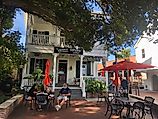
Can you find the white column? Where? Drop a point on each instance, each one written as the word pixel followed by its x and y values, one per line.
pixel 24 71
pixel 123 73
pixel 54 70
pixel 107 79
pixel 106 76
pixel 81 74
pixel 92 68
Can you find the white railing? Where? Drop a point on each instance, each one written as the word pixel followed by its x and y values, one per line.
pixel 27 82
pixel 83 85
pixel 45 40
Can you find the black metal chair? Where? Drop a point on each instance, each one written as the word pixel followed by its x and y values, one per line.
pixel 137 111
pixel 68 102
pixel 102 96
pixel 149 101
pixel 114 106
pixel 26 99
pixel 41 99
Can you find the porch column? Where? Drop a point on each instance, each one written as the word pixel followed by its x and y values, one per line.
pixel 123 73
pixel 24 73
pixel 106 75
pixel 81 74
pixel 107 80
pixel 54 70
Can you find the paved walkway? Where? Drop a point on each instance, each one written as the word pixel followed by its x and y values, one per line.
pixel 153 94
pixel 79 110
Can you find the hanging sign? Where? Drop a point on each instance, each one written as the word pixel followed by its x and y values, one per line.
pixel 68 50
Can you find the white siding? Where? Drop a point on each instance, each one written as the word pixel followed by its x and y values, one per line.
pixel 151 57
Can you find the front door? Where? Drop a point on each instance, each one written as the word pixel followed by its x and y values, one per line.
pixel 62 72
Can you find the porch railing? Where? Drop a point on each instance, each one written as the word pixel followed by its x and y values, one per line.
pixel 45 40
pixel 84 78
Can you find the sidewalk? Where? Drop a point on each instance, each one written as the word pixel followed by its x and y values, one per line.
pixel 153 94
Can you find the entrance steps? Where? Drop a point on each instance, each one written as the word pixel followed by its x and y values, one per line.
pixel 76 92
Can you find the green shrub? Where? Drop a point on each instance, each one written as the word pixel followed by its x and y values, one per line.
pixel 95 86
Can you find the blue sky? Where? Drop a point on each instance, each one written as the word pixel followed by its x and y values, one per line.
pixel 20 26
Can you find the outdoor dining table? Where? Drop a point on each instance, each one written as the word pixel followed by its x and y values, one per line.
pixel 128 102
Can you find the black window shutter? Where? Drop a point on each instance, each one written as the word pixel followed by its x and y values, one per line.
pixel 88 68
pixel 77 69
pixel 32 62
pixel 44 65
pixel 34 31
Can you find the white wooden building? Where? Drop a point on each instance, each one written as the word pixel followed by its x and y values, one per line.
pixel 46 41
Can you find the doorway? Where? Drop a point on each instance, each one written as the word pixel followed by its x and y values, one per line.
pixel 62 72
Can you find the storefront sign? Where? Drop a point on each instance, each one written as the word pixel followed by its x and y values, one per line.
pixel 68 50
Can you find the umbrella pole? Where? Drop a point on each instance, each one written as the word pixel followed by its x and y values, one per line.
pixel 129 88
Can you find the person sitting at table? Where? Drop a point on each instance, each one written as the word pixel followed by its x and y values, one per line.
pixel 32 94
pixel 50 92
pixel 63 96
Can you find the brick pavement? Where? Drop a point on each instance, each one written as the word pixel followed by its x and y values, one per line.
pixel 78 110
pixel 153 94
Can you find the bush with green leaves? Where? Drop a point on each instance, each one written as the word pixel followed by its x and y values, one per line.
pixel 95 86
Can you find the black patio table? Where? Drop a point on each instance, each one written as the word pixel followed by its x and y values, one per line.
pixel 128 102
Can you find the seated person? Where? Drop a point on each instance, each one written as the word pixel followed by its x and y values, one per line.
pixel 50 92
pixel 63 96
pixel 32 94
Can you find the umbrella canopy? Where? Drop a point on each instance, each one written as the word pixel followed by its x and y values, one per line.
pixel 47 80
pixel 127 65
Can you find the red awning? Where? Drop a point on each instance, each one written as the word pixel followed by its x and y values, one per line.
pixel 127 65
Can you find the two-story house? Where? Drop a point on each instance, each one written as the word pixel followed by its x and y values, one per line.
pixel 68 64
pixel 145 50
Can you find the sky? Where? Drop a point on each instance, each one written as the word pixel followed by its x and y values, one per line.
pixel 20 26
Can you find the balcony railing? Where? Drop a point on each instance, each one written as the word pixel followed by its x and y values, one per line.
pixel 45 40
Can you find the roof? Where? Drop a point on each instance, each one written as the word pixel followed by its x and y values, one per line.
pixel 131 58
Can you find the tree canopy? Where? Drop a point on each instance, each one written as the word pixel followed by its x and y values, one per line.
pixel 121 21
pixel 11 51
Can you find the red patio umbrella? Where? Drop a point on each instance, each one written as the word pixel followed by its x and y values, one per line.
pixel 127 65
pixel 47 80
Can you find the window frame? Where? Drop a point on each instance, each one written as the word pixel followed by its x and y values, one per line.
pixel 36 62
pixel 143 53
